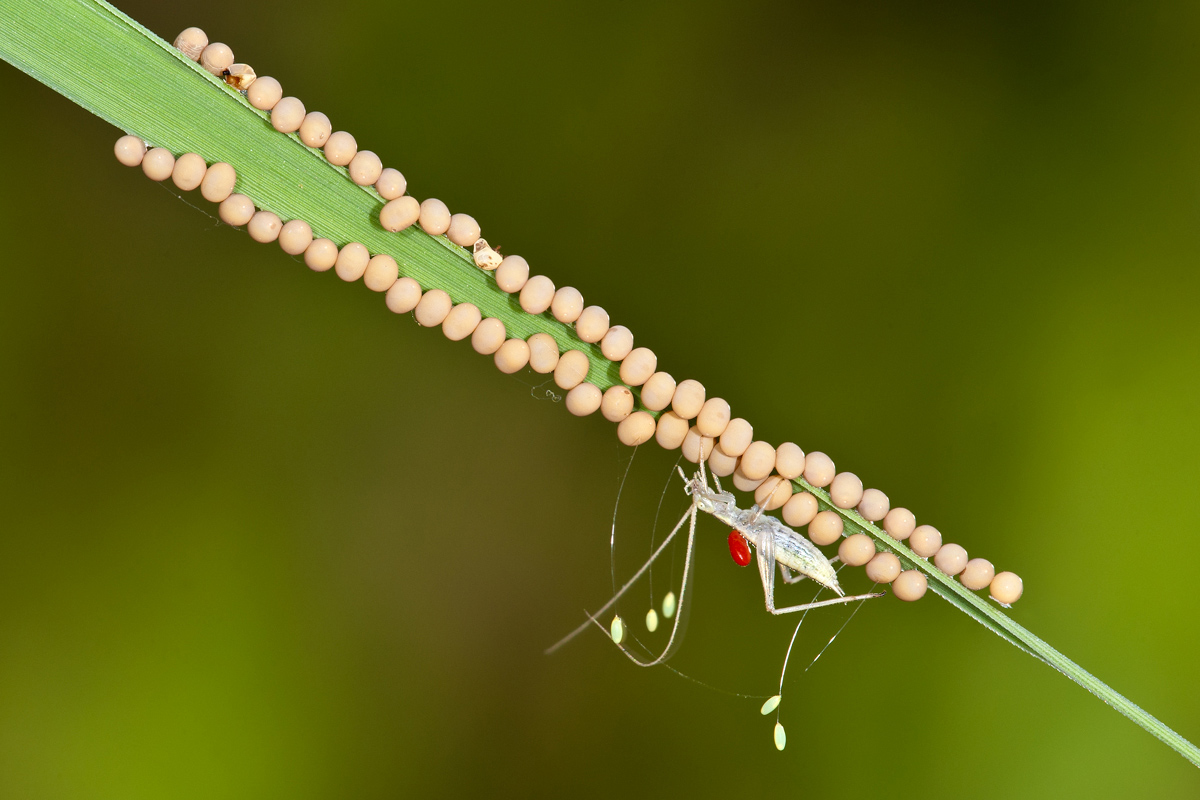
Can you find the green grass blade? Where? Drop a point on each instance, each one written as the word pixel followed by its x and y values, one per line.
pixel 145 87
pixel 992 618
pixel 109 64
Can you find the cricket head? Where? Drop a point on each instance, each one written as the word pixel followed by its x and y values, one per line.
pixel 704 497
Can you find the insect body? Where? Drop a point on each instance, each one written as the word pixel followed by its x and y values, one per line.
pixel 775 543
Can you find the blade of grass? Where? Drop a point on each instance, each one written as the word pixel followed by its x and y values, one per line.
pixel 1002 625
pixel 143 86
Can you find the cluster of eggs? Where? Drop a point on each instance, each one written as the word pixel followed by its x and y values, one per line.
pixel 647 404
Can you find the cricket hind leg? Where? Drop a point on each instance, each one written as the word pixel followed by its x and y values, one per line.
pixel 766 571
pixel 787 656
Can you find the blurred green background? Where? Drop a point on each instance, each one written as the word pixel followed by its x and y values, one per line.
pixel 261 538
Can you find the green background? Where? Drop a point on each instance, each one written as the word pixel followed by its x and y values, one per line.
pixel 261 538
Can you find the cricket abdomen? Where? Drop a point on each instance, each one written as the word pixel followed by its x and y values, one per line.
pixel 792 549
pixel 795 551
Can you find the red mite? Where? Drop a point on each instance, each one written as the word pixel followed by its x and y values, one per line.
pixel 739 549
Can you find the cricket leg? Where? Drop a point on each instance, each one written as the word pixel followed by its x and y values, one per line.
pixel 676 637
pixel 628 584
pixel 766 571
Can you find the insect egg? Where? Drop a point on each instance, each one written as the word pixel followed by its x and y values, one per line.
pixel 910 585
pixel 978 574
pixel 352 262
pixel 567 304
pixel 657 391
pixel 130 150
pixel 399 214
pixel 773 493
pixel 216 57
pixel 635 429
pixel 315 130
pixel 789 460
pixel 743 483
pixel 689 399
pixel 638 366
pixel 365 168
pixel 899 523
pixel 264 227
pixel 544 354
pixel 435 216
pixel 652 620
pixel 513 356
pixel 485 257
pixel 616 343
pixel 189 171
pixel 536 295
pixel 461 322
pixel 736 437
pixel 697 448
pixel 239 76
pixel 671 431
pixel 488 335
pixel 592 324
pixel 463 231
pixel 218 182
pixel 846 490
pixel 381 272
pixel 951 559
pixel 1006 588
pixel 512 274
pixel 818 469
pixel 191 42
pixel 668 605
pixel 758 460
pixel 780 737
pixel 287 115
pixel 433 309
pixel 617 629
pixel 825 528
pixel 295 237
pixel 406 293
pixel 713 417
pixel 571 369
pixel 340 149
pixel 264 93
pixel 391 183
pixel 771 705
pixel 800 510
pixel 158 164
pixel 584 399
pixel 925 541
pixel 321 255
pixel 617 403
pixel 739 549
pixel 874 505
pixel 236 210
pixel 856 550
pixel 883 568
